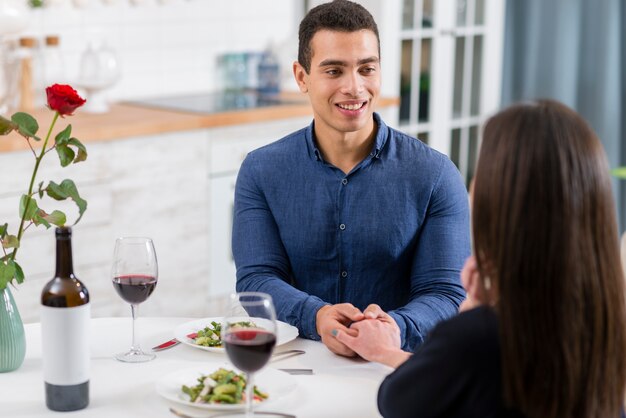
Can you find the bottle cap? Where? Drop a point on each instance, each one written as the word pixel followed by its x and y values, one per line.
pixel 28 42
pixel 63 231
pixel 52 40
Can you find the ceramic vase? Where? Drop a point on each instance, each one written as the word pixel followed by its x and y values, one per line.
pixel 12 338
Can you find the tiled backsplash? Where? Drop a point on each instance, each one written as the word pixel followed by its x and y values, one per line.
pixel 169 47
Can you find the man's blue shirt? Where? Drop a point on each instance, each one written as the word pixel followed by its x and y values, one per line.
pixel 394 231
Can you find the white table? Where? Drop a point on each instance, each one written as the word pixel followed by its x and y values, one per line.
pixel 339 387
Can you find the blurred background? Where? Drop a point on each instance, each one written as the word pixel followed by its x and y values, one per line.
pixel 450 64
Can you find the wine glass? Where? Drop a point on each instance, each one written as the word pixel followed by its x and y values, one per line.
pixel 134 274
pixel 249 336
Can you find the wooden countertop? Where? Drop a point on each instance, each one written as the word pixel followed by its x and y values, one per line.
pixel 130 120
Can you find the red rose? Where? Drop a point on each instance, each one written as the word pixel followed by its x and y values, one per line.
pixel 64 99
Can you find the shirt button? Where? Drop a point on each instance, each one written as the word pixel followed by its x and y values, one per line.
pixel 344 274
pixel 342 226
pixel 344 181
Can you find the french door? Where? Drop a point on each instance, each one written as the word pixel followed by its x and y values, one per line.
pixel 450 73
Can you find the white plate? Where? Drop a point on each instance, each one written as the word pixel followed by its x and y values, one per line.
pixel 275 383
pixel 284 331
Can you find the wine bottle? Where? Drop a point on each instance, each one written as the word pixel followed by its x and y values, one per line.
pixel 65 314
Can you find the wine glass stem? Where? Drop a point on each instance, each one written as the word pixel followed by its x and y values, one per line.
pixel 249 395
pixel 135 345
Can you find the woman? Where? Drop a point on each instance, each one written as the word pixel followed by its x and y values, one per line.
pixel 543 329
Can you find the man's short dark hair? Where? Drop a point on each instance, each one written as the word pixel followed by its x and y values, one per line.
pixel 338 15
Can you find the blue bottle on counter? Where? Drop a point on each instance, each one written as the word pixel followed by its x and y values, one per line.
pixel 269 74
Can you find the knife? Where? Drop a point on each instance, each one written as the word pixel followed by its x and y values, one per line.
pixel 297 371
pixel 173 342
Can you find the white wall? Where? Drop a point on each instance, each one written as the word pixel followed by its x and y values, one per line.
pixel 168 47
pixel 171 46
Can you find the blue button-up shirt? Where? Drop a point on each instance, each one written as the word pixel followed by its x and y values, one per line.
pixel 394 231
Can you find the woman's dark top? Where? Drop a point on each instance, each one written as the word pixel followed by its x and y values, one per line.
pixel 455 373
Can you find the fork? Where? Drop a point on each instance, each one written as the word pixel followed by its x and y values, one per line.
pixel 287 354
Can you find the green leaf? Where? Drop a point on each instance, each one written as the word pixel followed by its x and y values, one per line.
pixel 82 151
pixel 619 172
pixel 3 230
pixel 39 219
pixel 27 125
pixel 67 189
pixel 29 206
pixel 10 241
pixel 66 154
pixel 6 126
pixel 7 271
pixel 63 136
pixel 55 191
pixel 19 273
pixel 57 218
pixel 40 189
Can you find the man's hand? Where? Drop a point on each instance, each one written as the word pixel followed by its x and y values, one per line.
pixel 337 317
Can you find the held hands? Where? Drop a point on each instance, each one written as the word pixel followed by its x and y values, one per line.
pixel 337 317
pixel 378 338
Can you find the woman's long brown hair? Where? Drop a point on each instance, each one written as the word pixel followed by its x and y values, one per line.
pixel 545 233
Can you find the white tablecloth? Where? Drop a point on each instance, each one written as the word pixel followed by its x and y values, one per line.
pixel 339 387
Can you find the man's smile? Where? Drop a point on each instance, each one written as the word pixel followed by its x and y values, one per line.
pixel 352 106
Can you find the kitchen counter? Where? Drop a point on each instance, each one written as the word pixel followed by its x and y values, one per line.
pixel 130 120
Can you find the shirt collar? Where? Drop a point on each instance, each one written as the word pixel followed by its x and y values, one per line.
pixel 379 142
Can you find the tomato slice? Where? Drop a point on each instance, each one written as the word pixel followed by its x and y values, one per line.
pixel 245 334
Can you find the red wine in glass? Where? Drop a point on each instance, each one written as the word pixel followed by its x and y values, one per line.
pixel 134 288
pixel 249 347
pixel 134 277
pixel 249 350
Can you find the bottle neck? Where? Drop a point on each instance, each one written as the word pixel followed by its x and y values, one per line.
pixel 64 264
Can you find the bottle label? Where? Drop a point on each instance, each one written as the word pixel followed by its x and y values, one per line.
pixel 65 344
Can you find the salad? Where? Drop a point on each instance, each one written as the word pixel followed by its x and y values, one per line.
pixel 221 387
pixel 211 335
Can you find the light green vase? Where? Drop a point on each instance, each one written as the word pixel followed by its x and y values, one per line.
pixel 12 339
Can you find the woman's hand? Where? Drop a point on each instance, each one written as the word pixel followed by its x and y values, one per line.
pixel 478 289
pixel 378 338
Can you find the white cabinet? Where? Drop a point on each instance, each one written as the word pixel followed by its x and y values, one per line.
pixel 222 266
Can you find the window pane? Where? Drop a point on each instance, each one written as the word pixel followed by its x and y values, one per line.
pixel 424 92
pixel 423 136
pixel 427 16
pixel 479 12
pixel 457 101
pixel 472 154
pixel 455 147
pixel 408 11
pixel 461 12
pixel 405 80
pixel 476 75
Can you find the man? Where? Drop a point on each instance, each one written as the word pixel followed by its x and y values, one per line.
pixel 347 218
